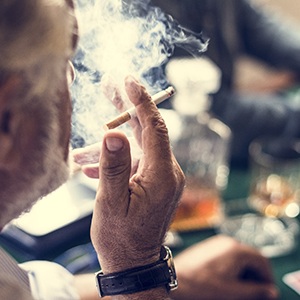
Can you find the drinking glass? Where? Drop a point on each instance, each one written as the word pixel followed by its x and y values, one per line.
pixel 274 198
pixel 275 188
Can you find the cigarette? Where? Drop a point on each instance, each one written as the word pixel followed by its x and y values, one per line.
pixel 128 114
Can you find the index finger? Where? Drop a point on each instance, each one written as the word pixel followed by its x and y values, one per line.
pixel 155 139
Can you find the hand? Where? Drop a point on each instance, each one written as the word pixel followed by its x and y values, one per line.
pixel 221 268
pixel 133 213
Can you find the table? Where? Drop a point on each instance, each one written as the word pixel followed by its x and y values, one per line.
pixel 238 187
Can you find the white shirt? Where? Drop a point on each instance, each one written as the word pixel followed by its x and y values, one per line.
pixel 50 281
pixel 41 280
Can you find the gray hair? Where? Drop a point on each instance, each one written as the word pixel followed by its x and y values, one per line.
pixel 35 39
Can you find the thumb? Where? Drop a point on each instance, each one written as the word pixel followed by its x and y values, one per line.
pixel 114 173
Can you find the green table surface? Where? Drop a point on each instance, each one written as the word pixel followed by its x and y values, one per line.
pixel 238 187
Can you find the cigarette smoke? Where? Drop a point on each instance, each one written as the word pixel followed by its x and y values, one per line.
pixel 121 38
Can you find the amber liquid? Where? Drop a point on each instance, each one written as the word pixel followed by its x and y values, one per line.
pixel 272 195
pixel 199 208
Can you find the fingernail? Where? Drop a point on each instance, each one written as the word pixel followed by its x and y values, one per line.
pixel 113 144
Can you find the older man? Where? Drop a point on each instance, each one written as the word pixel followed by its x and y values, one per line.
pixel 132 212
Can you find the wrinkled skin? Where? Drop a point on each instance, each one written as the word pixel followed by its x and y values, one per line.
pixel 135 209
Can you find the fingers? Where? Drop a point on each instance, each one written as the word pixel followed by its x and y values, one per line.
pixel 227 267
pixel 158 173
pixel 88 158
pixel 112 198
pixel 111 91
pixel 91 170
pixel 146 200
pixel 87 155
pixel 114 171
pixel 253 265
pixel 155 141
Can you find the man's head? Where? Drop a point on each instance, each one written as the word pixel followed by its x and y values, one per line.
pixel 37 38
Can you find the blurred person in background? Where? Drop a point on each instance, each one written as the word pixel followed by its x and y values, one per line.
pixel 132 211
pixel 244 27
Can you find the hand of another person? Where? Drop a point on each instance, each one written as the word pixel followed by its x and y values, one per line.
pixel 222 268
pixel 133 213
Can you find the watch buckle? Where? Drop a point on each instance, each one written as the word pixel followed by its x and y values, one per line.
pixel 173 284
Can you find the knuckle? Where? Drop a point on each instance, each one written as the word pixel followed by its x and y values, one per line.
pixel 113 170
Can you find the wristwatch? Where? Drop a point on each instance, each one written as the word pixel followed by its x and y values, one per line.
pixel 160 273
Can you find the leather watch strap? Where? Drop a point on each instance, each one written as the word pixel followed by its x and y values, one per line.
pixel 160 273
pixel 133 281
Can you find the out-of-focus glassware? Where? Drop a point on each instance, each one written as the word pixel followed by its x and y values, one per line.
pixel 200 144
pixel 275 190
pixel 202 152
pixel 274 198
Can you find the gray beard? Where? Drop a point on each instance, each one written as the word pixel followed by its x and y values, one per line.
pixel 42 170
pixel 21 196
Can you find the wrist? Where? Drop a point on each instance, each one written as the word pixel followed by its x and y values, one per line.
pixel 122 260
pixel 153 276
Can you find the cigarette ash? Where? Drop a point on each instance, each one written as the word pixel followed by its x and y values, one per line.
pixel 120 38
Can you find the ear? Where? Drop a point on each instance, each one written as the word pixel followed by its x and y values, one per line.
pixel 7 93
